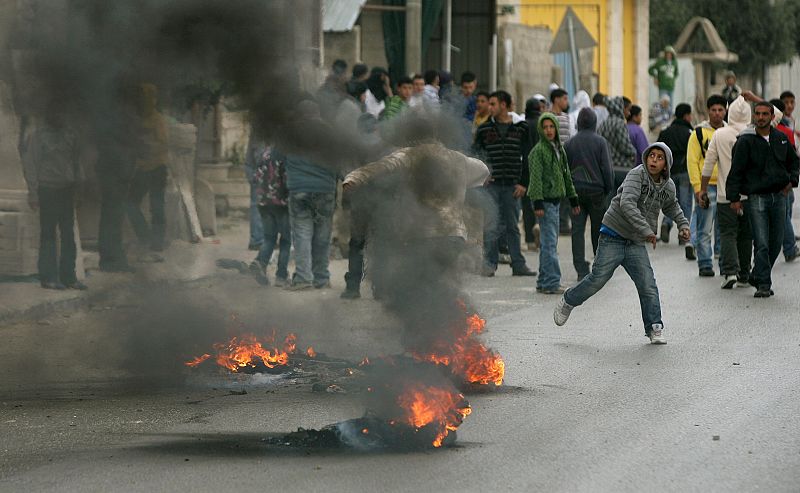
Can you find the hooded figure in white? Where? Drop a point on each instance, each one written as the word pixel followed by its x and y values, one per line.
pixel 580 101
pixel 720 149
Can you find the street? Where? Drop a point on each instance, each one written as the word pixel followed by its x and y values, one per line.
pixel 96 399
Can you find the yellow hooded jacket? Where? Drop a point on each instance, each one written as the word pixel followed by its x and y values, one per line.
pixel 695 156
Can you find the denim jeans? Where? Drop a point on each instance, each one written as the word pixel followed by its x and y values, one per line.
pixel 668 93
pixel 256 222
pixel 57 211
pixel 737 242
pixel 506 216
pixel 275 221
pixel 685 196
pixel 767 214
pixel 789 243
pixel 612 253
pixel 706 222
pixel 311 219
pixel 593 207
pixel 549 270
pixel 152 183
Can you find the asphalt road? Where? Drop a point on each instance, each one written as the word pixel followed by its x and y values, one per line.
pixel 95 401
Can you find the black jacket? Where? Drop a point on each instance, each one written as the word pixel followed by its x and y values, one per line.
pixel 760 167
pixel 676 136
pixel 504 156
pixel 589 158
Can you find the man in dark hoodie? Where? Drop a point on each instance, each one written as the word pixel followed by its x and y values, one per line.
pixel 676 136
pixel 628 225
pixel 590 163
pixel 615 131
pixel 765 168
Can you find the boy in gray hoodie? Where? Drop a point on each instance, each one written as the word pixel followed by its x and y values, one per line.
pixel 628 225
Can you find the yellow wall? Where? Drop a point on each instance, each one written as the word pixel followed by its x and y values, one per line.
pixel 593 15
pixel 629 30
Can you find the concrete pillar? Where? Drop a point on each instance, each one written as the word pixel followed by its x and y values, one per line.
pixel 615 64
pixel 413 36
pixel 643 57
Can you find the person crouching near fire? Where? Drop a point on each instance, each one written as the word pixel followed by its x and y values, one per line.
pixel 628 225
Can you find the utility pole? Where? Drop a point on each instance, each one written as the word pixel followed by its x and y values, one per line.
pixel 413 36
pixel 448 34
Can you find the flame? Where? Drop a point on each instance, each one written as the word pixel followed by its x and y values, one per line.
pixel 428 405
pixel 245 350
pixel 466 356
pixel 196 361
pixel 310 352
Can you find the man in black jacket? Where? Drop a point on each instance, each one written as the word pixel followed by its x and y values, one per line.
pixel 590 162
pixel 501 144
pixel 765 168
pixel 676 136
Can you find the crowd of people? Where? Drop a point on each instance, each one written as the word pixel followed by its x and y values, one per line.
pixel 725 182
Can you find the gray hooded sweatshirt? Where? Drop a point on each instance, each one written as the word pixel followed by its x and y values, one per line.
pixel 633 213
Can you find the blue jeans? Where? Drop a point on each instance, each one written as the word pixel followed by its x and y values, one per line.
pixel 789 243
pixel 706 222
pixel 311 219
pixel 685 196
pixel 767 214
pixel 275 221
pixel 256 227
pixel 549 270
pixel 612 253
pixel 506 216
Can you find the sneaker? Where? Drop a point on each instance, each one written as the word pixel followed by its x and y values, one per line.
pixel 763 293
pixel 657 334
pixel 665 229
pixel 299 286
pixel 76 285
pixel 487 271
pixel 690 252
pixel 556 290
pixel 742 281
pixel 729 282
pixel 561 312
pixel 504 258
pixel 350 294
pixel 793 256
pixel 281 282
pixel 322 285
pixel 707 272
pixel 523 272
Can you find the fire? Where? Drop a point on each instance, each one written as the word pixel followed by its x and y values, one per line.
pixel 247 349
pixel 426 405
pixel 465 355
pixel 196 361
pixel 310 352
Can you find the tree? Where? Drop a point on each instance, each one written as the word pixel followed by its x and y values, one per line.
pixel 761 33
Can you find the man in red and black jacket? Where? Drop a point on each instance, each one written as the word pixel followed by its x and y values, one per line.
pixel 501 144
pixel 765 168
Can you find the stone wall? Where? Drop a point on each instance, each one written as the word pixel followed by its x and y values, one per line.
pixel 524 64
pixel 344 45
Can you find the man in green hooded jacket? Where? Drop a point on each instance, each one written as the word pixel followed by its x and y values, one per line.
pixel 665 71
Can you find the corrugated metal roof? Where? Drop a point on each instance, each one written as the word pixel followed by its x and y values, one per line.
pixel 340 15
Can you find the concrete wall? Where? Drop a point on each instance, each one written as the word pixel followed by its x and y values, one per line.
pixel 345 45
pixel 372 46
pixel 524 64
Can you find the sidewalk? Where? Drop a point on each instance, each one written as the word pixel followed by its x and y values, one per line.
pixel 183 262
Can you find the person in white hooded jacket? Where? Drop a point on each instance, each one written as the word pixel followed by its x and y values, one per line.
pixel 579 102
pixel 736 248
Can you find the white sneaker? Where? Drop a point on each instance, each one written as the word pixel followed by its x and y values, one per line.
pixel 657 334
pixel 728 282
pixel 561 312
